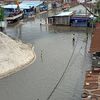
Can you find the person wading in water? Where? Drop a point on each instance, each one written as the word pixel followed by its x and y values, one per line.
pixel 73 39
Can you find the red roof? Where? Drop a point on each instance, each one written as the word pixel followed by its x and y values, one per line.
pixel 95 43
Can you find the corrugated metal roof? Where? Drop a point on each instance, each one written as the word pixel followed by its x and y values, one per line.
pixel 65 13
pixel 95 43
pixel 13 6
pixel 32 3
pixel 24 5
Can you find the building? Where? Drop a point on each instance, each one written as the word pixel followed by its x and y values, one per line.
pixel 80 21
pixel 61 19
pixel 81 16
pixel 29 8
pixel 91 88
pixel 95 47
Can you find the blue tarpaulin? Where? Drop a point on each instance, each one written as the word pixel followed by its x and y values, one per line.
pixel 79 21
pixel 80 18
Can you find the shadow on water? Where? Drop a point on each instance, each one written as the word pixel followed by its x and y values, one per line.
pixel 18 31
pixel 58 29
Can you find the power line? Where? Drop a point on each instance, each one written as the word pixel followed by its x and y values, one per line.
pixel 48 98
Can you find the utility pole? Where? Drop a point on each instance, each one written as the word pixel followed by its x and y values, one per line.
pixel 86 21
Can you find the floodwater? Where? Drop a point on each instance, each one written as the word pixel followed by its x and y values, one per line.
pixel 53 47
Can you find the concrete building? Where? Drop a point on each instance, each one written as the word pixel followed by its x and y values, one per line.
pixel 95 47
pixel 91 88
pixel 60 19
pixel 81 16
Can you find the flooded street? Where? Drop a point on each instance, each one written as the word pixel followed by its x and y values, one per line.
pixel 55 53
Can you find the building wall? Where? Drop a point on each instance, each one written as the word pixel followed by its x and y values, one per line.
pixel 69 1
pixel 49 6
pixel 62 20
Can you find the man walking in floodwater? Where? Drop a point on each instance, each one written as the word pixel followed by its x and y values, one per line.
pixel 73 39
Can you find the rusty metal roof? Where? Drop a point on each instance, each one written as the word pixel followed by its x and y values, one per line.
pixel 91 85
pixel 95 42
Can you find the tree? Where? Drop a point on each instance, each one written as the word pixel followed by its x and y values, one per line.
pixel 96 12
pixel 1 14
pixel 97 8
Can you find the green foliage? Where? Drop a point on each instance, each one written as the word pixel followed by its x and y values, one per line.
pixel 98 19
pixel 98 7
pixel 93 22
pixel 1 14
